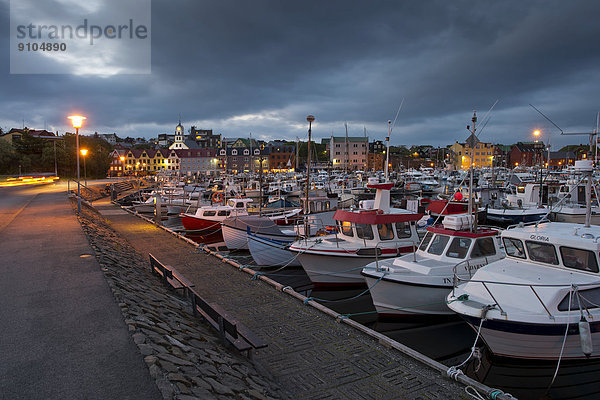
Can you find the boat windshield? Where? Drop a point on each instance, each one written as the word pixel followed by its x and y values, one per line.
pixel 514 247
pixel 364 231
pixel 483 247
pixel 438 244
pixel 542 252
pixel 346 228
pixel 459 247
pixel 403 229
pixel 385 231
pixel 426 241
pixel 580 259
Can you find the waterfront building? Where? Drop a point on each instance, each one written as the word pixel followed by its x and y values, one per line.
pixel 480 154
pixel 196 162
pixel 348 152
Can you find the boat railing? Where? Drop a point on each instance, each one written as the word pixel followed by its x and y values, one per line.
pixel 487 284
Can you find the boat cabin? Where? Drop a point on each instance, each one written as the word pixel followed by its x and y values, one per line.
pixel 455 241
pixel 374 226
pixel 557 245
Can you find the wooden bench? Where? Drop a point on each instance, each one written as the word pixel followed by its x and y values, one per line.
pixel 169 275
pixel 231 331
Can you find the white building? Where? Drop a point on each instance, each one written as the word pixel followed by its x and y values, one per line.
pixel 348 152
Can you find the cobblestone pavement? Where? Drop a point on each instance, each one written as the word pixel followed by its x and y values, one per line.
pixel 309 354
pixel 183 354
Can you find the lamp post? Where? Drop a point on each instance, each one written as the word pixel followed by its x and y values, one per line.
pixel 83 154
pixel 260 182
pixel 77 121
pixel 122 158
pixel 310 119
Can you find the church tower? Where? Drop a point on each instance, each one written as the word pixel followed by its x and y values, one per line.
pixel 179 144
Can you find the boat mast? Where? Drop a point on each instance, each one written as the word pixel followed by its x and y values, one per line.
pixel 387 151
pixel 472 144
pixel 347 150
pixel 310 119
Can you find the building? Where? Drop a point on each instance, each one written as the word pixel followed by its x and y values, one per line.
pixel 472 151
pixel 375 161
pixel 204 138
pixel 179 143
pixel 196 162
pixel 527 154
pixel 17 134
pixel 150 161
pixel 117 163
pixel 282 156
pixel 377 146
pixel 111 138
pixel 165 139
pixel 348 152
pixel 241 159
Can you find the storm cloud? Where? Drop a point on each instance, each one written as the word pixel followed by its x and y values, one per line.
pixel 260 67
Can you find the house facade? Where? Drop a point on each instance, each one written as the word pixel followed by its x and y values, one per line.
pixel 348 152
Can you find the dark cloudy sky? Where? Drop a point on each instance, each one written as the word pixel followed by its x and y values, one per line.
pixel 260 67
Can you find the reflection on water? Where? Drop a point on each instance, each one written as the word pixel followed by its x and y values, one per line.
pixel 447 340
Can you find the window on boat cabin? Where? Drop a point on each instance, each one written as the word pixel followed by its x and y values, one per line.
pixel 520 189
pixel 581 259
pixel 223 213
pixel 483 247
pixel 426 241
pixel 590 299
pixel 459 247
pixel 403 230
pixel 209 213
pixel 385 231
pixel 364 231
pixel 542 252
pixel 346 228
pixel 438 244
pixel 514 247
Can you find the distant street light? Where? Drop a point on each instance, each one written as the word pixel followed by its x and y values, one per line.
pixel 77 121
pixel 122 158
pixel 84 153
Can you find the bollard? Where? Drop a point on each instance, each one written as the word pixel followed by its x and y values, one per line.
pixel 157 209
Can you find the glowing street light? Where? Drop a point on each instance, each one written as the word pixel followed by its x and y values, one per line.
pixel 84 153
pixel 77 121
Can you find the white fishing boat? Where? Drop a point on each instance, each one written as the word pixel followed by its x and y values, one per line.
pixel 543 300
pixel 236 228
pixel 374 231
pixel 273 252
pixel 417 284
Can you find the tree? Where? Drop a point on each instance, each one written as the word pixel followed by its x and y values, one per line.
pixel 8 158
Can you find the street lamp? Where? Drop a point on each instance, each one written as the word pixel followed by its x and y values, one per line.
pixel 77 121
pixel 84 153
pixel 122 158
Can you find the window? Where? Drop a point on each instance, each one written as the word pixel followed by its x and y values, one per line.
pixel 403 230
pixel 385 231
pixel 438 244
pixel 459 247
pixel 542 252
pixel 514 247
pixel 590 297
pixel 337 145
pixel 346 228
pixel 223 213
pixel 209 213
pixel 483 247
pixel 581 259
pixel 222 152
pixel 239 205
pixel 364 231
pixel 234 152
pixel 246 152
pixel 425 240
pixel 355 145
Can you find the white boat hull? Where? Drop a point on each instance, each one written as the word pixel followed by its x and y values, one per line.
pixel 326 270
pixel 396 299
pixel 235 239
pixel 271 253
pixel 534 341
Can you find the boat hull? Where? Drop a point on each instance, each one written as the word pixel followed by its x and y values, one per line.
pixel 399 299
pixel 534 341
pixel 324 270
pixel 514 216
pixel 235 239
pixel 200 226
pixel 271 253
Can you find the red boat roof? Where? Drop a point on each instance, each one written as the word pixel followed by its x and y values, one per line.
pixel 464 233
pixel 436 207
pixel 384 186
pixel 373 217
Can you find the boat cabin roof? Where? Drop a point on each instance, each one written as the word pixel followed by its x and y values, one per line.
pixel 374 217
pixel 463 233
pixel 559 233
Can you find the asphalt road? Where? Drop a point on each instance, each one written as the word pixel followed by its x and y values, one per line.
pixel 62 334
